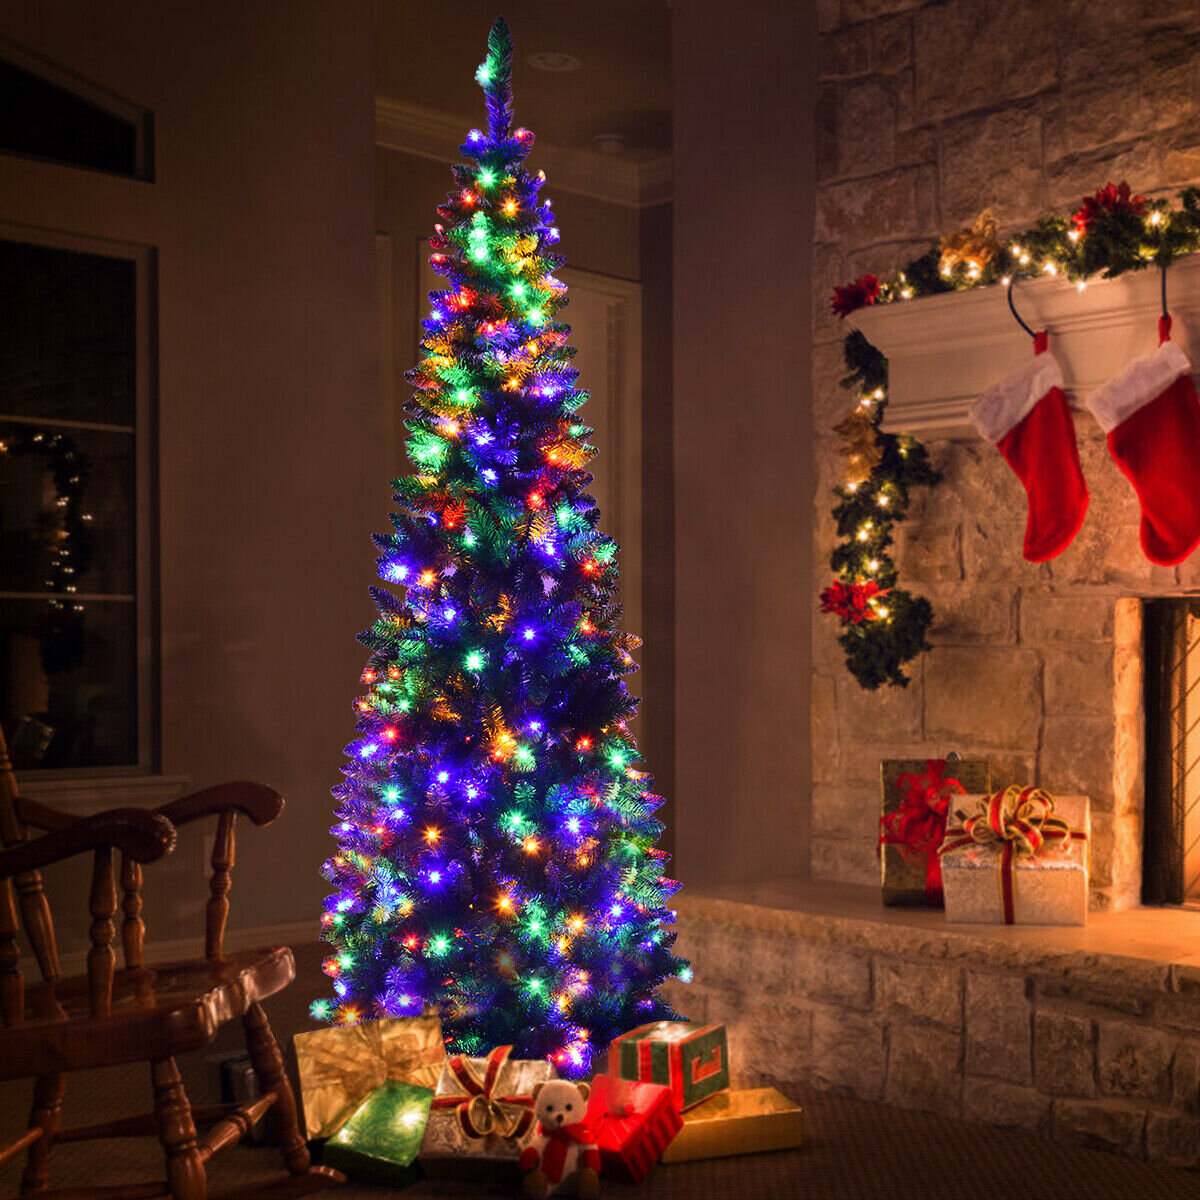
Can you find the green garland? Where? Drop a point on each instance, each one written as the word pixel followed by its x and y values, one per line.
pixel 1111 233
pixel 885 626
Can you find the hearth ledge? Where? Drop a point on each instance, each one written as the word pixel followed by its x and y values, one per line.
pixel 1142 943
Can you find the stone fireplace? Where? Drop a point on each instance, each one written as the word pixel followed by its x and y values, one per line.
pixel 1088 1034
pixel 1036 666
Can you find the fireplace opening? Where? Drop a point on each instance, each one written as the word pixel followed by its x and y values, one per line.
pixel 1171 833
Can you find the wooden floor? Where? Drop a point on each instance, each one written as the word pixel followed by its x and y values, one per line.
pixel 855 1150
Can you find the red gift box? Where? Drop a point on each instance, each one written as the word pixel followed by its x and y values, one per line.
pixel 633 1123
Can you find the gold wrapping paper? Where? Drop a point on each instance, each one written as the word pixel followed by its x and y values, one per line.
pixel 339 1068
pixel 1049 888
pixel 903 873
pixel 741 1122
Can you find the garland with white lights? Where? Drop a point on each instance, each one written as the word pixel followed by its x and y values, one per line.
pixel 60 633
pixel 1114 231
pixel 883 626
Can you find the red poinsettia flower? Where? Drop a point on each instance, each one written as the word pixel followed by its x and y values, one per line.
pixel 1108 199
pixel 859 294
pixel 851 602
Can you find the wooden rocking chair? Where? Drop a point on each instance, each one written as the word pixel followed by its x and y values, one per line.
pixel 140 1013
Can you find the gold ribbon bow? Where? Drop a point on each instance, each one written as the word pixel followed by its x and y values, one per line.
pixel 339 1068
pixel 1022 817
pixel 480 1111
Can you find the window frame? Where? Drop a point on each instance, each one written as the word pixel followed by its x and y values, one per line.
pixel 142 119
pixel 145 435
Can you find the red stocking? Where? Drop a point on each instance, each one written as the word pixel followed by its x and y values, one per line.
pixel 1152 418
pixel 1029 420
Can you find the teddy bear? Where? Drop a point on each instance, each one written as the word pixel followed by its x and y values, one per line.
pixel 563 1156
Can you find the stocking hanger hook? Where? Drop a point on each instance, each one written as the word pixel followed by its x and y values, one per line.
pixel 1013 308
pixel 1163 273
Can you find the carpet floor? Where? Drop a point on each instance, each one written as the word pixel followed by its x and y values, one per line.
pixel 854 1150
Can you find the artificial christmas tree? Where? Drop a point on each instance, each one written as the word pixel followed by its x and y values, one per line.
pixel 496 840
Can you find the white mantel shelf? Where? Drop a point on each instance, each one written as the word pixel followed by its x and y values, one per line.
pixel 943 351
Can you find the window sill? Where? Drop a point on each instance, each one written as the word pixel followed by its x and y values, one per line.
pixel 87 794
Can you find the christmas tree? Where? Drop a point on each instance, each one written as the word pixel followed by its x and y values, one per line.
pixel 496 838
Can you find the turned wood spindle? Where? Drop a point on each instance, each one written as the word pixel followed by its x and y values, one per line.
pixel 133 928
pixel 46 1115
pixel 268 1066
pixel 39 924
pixel 103 907
pixel 177 1132
pixel 217 910
pixel 12 987
pixel 35 908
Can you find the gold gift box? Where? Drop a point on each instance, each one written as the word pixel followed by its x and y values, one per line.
pixel 742 1122
pixel 903 873
pixel 1048 888
pixel 340 1067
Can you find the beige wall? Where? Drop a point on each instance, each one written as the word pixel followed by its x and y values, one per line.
pixel 270 461
pixel 918 131
pixel 744 97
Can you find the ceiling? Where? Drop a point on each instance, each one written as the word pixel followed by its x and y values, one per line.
pixel 426 56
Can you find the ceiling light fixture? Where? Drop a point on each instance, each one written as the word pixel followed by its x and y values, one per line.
pixel 553 60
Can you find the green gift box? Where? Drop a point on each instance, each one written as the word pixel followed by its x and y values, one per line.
pixel 692 1060
pixel 379 1143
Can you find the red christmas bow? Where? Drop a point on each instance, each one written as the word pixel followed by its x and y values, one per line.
pixel 919 824
pixel 554 1157
pixel 480 1112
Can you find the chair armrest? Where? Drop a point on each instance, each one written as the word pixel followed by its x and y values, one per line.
pixel 41 816
pixel 140 835
pixel 259 802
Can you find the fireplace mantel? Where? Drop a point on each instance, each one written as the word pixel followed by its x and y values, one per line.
pixel 943 351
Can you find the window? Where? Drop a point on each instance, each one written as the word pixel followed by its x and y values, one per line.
pixel 75 640
pixel 48 113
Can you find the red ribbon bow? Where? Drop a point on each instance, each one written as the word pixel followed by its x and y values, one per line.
pixel 480 1112
pixel 918 825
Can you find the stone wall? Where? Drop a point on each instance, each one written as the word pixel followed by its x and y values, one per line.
pixel 1081 1047
pixel 928 113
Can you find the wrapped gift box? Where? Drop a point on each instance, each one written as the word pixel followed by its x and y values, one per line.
pixel 741 1122
pixel 379 1143
pixel 692 1060
pixel 633 1124
pixel 482 1117
pixel 339 1068
pixel 240 1085
pixel 993 882
pixel 915 796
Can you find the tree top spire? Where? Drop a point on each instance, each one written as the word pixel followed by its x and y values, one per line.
pixel 495 77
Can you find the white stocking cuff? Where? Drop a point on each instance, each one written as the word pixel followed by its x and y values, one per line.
pixel 1002 408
